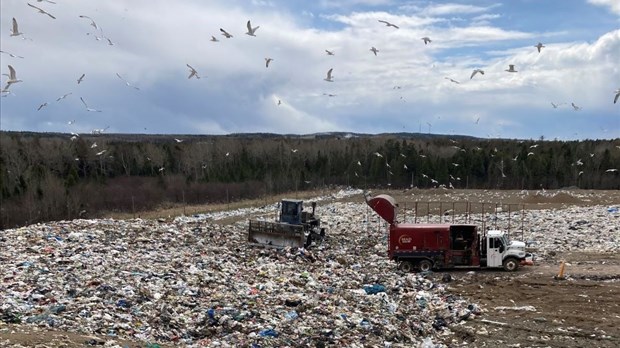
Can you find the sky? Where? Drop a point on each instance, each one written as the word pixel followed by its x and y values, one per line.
pixel 405 87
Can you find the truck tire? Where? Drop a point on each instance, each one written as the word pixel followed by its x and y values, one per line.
pixel 425 266
pixel 406 266
pixel 511 264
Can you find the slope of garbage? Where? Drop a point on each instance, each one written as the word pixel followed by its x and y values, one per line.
pixel 194 282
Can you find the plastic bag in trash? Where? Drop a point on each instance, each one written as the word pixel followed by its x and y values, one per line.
pixel 374 289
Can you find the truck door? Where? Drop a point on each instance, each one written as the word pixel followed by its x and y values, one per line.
pixel 494 252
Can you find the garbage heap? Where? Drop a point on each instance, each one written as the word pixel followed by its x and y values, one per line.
pixel 194 282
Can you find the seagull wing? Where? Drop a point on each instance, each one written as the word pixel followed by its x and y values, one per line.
pixel 33 6
pixel 616 98
pixel 12 74
pixel 472 74
pixel 83 102
pixel 249 27
pixel 329 73
pixel 15 30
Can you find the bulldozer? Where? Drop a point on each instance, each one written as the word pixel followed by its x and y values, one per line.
pixel 293 227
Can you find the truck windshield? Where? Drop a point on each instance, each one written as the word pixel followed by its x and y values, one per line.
pixel 506 240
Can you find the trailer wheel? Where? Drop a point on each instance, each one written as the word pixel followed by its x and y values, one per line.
pixel 425 265
pixel 406 266
pixel 511 264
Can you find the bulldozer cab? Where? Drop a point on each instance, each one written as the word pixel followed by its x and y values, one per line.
pixel 291 211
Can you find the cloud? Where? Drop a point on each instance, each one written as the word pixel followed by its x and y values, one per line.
pixel 238 94
pixel 453 8
pixel 614 5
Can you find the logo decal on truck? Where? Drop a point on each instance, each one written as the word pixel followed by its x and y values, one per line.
pixel 404 240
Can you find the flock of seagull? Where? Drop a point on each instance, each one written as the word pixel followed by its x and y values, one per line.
pixel 193 73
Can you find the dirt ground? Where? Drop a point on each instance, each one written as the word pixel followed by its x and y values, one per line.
pixel 582 310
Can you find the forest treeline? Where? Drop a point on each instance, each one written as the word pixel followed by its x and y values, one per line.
pixel 52 176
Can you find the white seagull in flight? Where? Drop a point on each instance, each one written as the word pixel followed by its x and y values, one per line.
pixel 11 54
pixel 374 50
pixel 127 83
pixel 539 46
pixel 225 33
pixel 251 30
pixel 426 40
pixel 475 72
pixel 452 80
pixel 329 75
pixel 511 68
pixel 329 53
pixel 92 22
pixel 81 78
pixel 617 95
pixel 14 29
pixel 41 11
pixel 12 78
pixel 267 61
pixel 192 72
pixel 388 24
pixel 63 97
pixel 87 108
pixel 214 39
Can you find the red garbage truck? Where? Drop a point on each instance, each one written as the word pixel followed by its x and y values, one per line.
pixel 443 246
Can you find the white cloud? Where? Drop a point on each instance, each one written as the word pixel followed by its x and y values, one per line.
pixel 453 8
pixel 614 5
pixel 237 93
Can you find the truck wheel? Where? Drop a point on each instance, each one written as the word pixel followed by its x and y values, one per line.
pixel 406 266
pixel 511 264
pixel 425 266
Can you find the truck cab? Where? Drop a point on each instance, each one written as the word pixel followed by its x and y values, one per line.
pixel 497 250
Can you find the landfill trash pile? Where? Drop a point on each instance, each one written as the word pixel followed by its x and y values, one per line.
pixel 194 282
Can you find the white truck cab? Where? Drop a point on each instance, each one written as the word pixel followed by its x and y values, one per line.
pixel 502 252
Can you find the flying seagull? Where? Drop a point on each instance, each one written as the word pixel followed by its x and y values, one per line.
pixel 511 68
pixel 11 54
pixel 388 24
pixel 617 95
pixel 611 170
pixel 577 108
pixel 214 39
pixel 81 78
pixel 192 72
pixel 225 33
pixel 92 22
pixel 475 72
pixel 14 29
pixel 378 154
pixel 12 78
pixel 63 97
pixel 41 11
pixel 452 80
pixel 374 50
pixel 87 108
pixel 329 94
pixel 127 83
pixel 426 40
pixel 329 75
pixel 101 152
pixel 539 46
pixel 267 61
pixel 251 30
pixel 330 53
pixel 178 140
pixel 42 106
